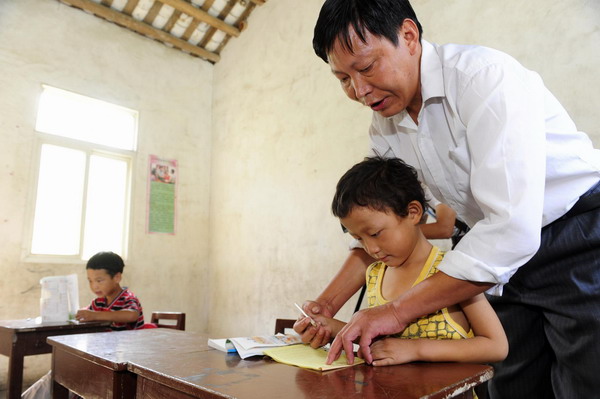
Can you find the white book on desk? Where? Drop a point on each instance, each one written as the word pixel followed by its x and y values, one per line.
pixel 222 344
pixel 253 346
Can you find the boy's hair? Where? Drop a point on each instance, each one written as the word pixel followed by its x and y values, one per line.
pixel 382 18
pixel 379 184
pixel 109 261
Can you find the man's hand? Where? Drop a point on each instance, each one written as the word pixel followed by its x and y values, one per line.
pixel 366 324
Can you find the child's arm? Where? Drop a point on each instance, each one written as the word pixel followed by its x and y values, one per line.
pixel 488 345
pixel 443 227
pixel 118 316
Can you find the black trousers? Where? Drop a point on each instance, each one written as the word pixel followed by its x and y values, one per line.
pixel 550 310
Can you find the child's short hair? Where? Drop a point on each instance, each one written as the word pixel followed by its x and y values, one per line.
pixel 380 184
pixel 109 261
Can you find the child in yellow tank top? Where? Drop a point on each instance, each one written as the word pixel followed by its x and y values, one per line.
pixel 380 203
pixel 438 325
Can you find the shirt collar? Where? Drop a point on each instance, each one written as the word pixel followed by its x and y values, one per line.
pixel 432 78
pixel 432 82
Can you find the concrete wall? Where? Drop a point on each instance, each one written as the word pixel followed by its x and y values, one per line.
pixel 47 42
pixel 284 133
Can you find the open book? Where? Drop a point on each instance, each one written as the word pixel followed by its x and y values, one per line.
pixel 253 346
pixel 306 357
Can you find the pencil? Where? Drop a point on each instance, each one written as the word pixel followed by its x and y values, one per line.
pixel 312 321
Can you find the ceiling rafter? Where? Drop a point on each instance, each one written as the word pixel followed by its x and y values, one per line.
pixel 172 21
pixel 202 15
pixel 182 25
pixel 140 27
pixel 241 23
pixel 130 6
pixel 224 12
pixel 153 12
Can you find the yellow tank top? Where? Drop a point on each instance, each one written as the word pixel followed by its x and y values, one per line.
pixel 438 325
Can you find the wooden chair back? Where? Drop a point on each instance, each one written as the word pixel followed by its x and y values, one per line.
pixel 159 318
pixel 282 324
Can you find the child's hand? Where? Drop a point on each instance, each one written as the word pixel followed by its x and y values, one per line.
pixel 320 335
pixel 388 351
pixel 315 336
pixel 85 315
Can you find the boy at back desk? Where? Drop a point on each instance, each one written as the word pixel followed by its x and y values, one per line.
pixel 380 203
pixel 113 303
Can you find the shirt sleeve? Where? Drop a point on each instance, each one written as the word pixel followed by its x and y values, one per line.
pixel 132 303
pixel 431 200
pixel 502 107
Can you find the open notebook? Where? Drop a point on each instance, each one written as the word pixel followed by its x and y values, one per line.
pixel 306 357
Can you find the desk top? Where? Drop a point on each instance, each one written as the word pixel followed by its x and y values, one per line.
pixel 215 374
pixel 25 325
pixel 115 349
pixel 183 362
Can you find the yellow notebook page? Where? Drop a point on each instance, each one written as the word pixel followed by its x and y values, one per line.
pixel 306 357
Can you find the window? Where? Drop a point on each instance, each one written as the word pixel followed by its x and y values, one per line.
pixel 86 148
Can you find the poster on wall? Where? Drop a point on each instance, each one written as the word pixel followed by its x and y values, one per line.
pixel 162 195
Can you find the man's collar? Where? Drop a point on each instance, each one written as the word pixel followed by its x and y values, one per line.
pixel 432 82
pixel 432 79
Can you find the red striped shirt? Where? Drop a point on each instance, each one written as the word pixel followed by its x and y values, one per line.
pixel 124 301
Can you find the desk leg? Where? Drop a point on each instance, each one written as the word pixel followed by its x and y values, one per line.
pixel 58 391
pixel 15 374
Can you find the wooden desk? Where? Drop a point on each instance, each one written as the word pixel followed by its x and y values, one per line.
pixel 214 374
pixel 171 364
pixel 20 338
pixel 95 365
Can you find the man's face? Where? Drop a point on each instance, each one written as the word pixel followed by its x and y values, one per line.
pixel 378 74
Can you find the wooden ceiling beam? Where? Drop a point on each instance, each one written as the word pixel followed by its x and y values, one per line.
pixel 172 21
pixel 189 31
pixel 140 27
pixel 152 13
pixel 207 4
pixel 223 14
pixel 202 15
pixel 241 23
pixel 130 6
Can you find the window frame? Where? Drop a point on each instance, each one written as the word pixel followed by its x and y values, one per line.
pixel 128 156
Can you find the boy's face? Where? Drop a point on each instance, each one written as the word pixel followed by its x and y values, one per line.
pixel 384 235
pixel 102 284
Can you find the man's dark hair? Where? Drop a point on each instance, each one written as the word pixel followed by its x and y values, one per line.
pixel 379 184
pixel 109 261
pixel 382 18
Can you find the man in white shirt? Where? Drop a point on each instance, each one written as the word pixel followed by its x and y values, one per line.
pixel 494 144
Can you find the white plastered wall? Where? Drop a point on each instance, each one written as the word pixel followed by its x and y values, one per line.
pixel 44 41
pixel 283 133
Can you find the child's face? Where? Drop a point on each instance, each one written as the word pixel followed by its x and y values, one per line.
pixel 102 284
pixel 384 235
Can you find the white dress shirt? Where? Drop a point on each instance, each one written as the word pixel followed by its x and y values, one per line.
pixel 494 144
